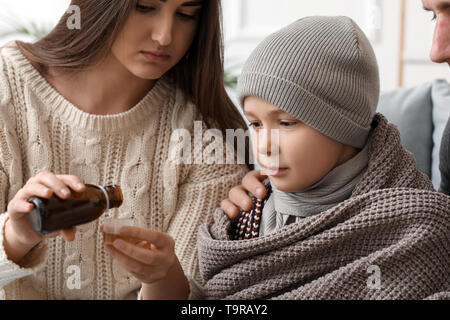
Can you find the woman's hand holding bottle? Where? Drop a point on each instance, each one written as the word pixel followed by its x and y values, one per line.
pixel 20 237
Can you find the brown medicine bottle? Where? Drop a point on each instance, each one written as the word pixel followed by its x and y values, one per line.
pixel 54 214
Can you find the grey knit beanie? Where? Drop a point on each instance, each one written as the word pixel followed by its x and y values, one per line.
pixel 321 70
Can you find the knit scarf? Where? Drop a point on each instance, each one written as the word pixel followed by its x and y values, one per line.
pixel 389 240
pixel 284 208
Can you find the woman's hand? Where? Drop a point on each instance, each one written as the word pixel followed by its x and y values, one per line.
pixel 238 197
pixel 19 235
pixel 149 259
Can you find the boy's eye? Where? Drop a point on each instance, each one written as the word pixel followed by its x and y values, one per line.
pixel 434 17
pixel 287 123
pixel 254 124
pixel 143 8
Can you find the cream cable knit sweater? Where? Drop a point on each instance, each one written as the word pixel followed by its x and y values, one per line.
pixel 40 130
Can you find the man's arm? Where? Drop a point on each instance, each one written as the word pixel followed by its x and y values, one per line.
pixel 444 161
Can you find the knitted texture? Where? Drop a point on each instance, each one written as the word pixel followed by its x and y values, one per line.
pixel 394 221
pixel 321 70
pixel 40 130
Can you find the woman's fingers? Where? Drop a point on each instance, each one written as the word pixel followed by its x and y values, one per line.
pixel 34 189
pixel 68 234
pixel 146 265
pixel 46 183
pixel 126 261
pixel 53 183
pixel 159 239
pixel 73 182
pixel 149 259
pixel 145 273
pixel 43 185
pixel 19 208
pixel 42 188
pixel 143 255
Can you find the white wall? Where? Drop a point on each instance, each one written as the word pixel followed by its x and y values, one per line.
pixel 42 12
pixel 247 22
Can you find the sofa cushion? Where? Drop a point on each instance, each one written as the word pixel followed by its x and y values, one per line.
pixel 411 110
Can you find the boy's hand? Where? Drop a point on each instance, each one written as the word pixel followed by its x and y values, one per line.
pixel 238 197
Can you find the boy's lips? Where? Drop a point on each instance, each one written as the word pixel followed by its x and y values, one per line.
pixel 273 172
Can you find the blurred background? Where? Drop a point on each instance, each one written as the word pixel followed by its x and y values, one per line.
pixel 400 30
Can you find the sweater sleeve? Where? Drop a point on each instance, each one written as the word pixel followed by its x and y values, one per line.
pixel 31 263
pixel 198 198
pixel 195 290
pixel 11 180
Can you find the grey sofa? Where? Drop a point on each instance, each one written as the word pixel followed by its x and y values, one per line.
pixel 420 113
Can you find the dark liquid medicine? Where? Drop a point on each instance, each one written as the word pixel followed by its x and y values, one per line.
pixel 54 214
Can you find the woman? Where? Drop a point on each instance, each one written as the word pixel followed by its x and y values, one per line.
pixel 98 105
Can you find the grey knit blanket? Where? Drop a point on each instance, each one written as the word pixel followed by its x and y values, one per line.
pixel 390 240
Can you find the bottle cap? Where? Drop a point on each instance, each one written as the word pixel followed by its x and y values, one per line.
pixel 36 215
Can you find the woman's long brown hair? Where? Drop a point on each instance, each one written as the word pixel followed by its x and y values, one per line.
pixel 200 74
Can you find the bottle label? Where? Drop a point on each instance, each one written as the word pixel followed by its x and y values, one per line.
pixel 106 196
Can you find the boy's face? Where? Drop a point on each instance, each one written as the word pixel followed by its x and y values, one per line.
pixel 305 155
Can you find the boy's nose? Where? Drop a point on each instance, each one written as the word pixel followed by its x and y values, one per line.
pixel 264 142
pixel 268 142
